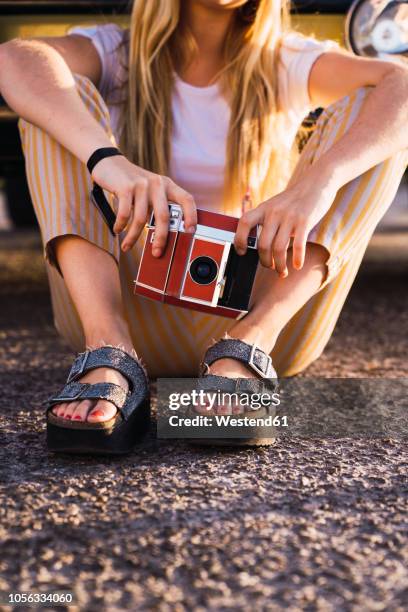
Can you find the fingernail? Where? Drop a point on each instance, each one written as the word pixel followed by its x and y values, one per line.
pixel 156 252
pixel 125 247
pixel 284 274
pixel 240 251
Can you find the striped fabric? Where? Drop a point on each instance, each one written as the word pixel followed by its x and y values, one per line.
pixel 172 340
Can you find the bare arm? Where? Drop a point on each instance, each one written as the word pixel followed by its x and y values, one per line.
pixel 381 128
pixel 36 81
pixel 379 131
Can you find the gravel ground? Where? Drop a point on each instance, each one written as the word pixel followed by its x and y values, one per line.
pixel 304 525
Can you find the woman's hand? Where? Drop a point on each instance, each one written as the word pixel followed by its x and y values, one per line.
pixel 138 191
pixel 291 214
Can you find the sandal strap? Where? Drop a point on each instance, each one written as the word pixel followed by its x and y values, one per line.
pixel 251 355
pixel 76 390
pixel 108 357
pixel 212 382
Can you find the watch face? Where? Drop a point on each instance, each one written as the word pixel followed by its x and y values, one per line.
pixel 378 28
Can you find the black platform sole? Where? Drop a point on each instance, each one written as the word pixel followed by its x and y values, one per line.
pixel 114 437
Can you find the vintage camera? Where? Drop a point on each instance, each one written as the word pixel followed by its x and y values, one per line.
pixel 201 271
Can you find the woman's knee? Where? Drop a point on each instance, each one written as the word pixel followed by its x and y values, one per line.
pixel 332 123
pixel 57 178
pixel 60 185
pixel 346 108
pixel 93 100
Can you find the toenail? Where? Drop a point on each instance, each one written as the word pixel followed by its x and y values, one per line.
pixel 97 413
pixel 68 416
pixel 78 417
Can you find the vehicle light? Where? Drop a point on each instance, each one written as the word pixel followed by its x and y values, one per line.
pixel 378 28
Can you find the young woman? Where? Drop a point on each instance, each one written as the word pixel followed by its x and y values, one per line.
pixel 204 98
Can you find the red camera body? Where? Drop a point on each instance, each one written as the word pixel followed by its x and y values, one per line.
pixel 201 271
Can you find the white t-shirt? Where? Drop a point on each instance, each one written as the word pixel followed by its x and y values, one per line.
pixel 201 114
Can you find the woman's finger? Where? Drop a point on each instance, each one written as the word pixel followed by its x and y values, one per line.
pixel 265 242
pixel 124 210
pixel 139 217
pixel 280 248
pixel 299 247
pixel 158 200
pixel 181 196
pixel 248 221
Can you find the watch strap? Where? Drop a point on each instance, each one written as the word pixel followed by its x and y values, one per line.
pixel 97 194
pixel 100 154
pixel 99 199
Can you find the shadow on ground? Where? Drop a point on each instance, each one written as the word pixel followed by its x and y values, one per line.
pixel 305 525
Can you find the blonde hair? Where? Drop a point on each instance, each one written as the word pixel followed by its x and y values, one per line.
pixel 159 42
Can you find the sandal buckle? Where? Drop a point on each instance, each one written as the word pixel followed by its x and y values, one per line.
pixel 75 373
pixel 253 365
pixel 71 398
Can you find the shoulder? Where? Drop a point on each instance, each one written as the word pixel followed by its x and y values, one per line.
pixel 296 56
pixel 111 43
pixel 106 36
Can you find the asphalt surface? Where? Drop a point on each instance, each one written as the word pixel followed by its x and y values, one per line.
pixel 307 524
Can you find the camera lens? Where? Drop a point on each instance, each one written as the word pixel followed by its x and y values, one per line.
pixel 203 270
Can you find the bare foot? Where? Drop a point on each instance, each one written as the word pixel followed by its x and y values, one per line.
pixel 93 411
pixel 231 368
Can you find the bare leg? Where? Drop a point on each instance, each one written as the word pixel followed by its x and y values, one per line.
pixel 92 278
pixel 275 301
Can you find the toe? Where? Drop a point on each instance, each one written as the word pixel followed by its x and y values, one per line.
pixel 70 410
pixel 223 409
pixel 103 411
pixel 237 408
pixel 59 410
pixel 81 410
pixel 204 408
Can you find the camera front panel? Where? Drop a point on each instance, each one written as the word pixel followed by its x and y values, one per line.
pixel 204 271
